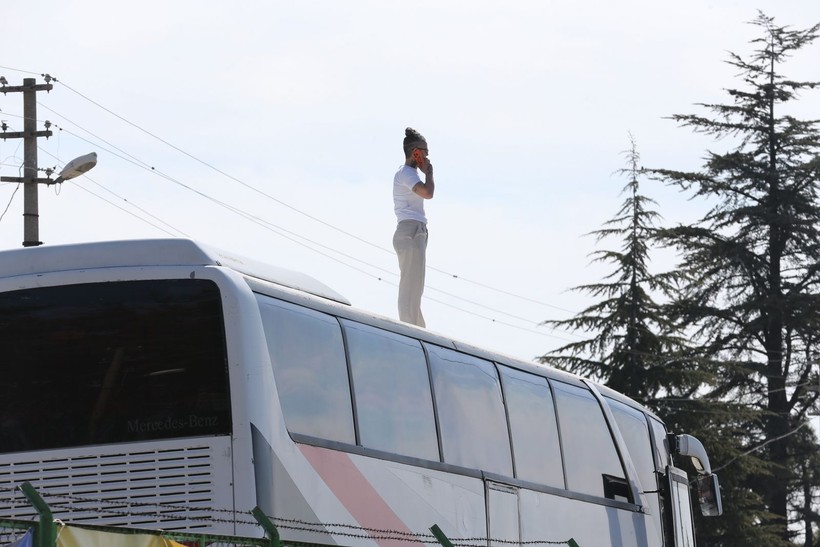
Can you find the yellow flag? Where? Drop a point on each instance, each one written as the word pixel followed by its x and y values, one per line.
pixel 71 536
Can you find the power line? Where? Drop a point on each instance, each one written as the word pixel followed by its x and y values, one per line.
pixel 286 234
pixel 278 229
pixel 135 159
pixel 125 210
pixel 16 150
pixel 491 319
pixel 265 224
pixel 132 204
pixel 6 210
pixel 295 209
pixel 21 71
pixel 763 444
pixel 87 177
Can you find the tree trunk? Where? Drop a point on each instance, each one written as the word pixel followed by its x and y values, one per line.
pixel 777 426
pixel 808 520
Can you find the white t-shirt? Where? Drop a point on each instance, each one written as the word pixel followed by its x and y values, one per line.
pixel 407 204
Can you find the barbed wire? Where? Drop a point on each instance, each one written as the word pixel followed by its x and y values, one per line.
pixel 164 513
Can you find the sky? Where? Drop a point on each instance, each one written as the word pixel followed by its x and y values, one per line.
pixel 273 129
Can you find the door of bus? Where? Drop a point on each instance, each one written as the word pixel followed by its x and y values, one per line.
pixel 503 523
pixel 680 506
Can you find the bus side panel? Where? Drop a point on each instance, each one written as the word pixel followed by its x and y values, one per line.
pixel 557 518
pixel 251 384
pixel 370 500
pixel 421 497
pixel 373 494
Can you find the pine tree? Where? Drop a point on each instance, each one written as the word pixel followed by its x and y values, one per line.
pixel 751 265
pixel 633 348
pixel 805 493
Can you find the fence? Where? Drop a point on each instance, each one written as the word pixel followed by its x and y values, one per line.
pixel 46 530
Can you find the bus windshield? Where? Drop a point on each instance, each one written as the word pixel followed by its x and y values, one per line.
pixel 100 363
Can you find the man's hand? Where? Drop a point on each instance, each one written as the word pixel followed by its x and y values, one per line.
pixel 426 167
pixel 427 188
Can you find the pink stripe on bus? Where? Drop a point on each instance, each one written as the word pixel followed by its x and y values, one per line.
pixel 356 493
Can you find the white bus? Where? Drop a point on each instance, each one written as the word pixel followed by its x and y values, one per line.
pixel 166 385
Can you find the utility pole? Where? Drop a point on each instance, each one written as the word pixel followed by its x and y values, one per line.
pixel 31 214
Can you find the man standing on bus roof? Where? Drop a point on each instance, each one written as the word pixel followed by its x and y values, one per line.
pixel 410 239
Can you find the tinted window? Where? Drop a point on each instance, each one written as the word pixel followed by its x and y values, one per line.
pixel 112 362
pixel 309 366
pixel 534 430
pixel 471 411
pixel 394 405
pixel 589 451
pixel 662 458
pixel 635 432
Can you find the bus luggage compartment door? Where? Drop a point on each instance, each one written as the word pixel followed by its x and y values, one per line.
pixel 502 514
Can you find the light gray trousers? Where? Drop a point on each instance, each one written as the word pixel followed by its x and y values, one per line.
pixel 410 243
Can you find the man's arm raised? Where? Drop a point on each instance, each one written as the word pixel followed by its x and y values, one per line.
pixel 427 188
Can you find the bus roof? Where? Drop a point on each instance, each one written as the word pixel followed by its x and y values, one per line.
pixel 151 252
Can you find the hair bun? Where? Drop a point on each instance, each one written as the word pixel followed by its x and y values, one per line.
pixel 413 134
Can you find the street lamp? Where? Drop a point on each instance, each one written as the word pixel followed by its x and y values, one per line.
pixel 31 214
pixel 76 167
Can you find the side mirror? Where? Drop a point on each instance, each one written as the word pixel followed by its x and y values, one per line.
pixel 709 496
pixel 687 445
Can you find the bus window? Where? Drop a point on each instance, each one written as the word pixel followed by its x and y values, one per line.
pixel 635 432
pixel 101 363
pixel 662 458
pixel 471 412
pixel 310 370
pixel 590 455
pixel 394 405
pixel 533 428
